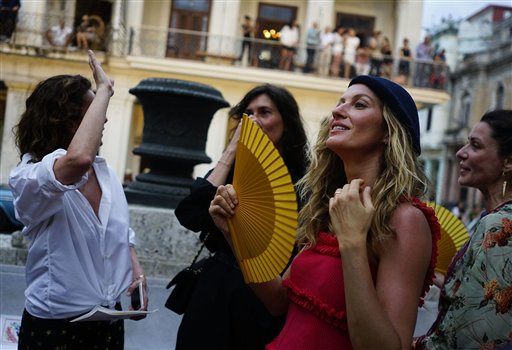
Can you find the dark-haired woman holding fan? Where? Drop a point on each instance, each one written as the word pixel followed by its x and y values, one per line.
pixel 223 312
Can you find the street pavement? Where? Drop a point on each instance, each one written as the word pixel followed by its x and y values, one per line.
pixel 156 332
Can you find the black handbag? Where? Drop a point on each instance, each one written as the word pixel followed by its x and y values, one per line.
pixel 184 284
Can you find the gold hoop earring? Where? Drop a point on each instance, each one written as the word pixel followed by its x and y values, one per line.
pixel 504 189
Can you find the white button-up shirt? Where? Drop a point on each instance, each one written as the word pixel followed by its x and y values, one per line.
pixel 75 259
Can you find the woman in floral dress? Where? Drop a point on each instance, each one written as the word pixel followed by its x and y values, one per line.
pixel 475 310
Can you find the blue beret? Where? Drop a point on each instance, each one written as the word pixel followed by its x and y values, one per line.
pixel 398 100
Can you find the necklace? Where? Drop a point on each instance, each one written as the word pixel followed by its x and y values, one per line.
pixel 499 206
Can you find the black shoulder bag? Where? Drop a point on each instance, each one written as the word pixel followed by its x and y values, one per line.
pixel 185 282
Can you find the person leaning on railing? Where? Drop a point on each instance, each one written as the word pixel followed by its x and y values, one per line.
pixel 90 32
pixel 59 35
pixel 8 16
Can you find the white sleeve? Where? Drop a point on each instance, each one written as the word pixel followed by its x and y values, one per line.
pixel 36 191
pixel 131 237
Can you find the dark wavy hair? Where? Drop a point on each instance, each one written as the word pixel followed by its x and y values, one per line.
pixel 53 112
pixel 294 142
pixel 500 122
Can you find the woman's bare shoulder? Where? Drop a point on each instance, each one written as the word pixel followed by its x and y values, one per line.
pixel 409 218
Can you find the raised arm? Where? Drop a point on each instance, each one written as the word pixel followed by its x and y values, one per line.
pixel 220 173
pixel 86 141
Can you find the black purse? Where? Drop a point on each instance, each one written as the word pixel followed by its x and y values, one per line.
pixel 184 283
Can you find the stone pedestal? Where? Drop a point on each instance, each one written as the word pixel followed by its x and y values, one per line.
pixel 177 115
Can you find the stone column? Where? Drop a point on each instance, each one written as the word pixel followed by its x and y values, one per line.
pixel 117 28
pixel 224 31
pixel 30 23
pixel 321 12
pixel 135 11
pixel 177 115
pixel 408 16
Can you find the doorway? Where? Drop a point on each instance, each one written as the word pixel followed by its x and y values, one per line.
pixel 188 20
pixel 271 18
pixel 363 25
pixel 100 13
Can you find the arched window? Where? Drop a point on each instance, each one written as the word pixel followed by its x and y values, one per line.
pixel 500 96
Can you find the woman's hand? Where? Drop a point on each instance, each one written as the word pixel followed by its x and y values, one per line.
pixel 101 79
pixel 233 143
pixel 222 207
pixel 132 288
pixel 351 211
pixel 220 173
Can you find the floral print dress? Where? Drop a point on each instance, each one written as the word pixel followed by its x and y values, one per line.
pixel 475 309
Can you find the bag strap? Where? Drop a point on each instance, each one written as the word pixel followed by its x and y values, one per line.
pixel 200 250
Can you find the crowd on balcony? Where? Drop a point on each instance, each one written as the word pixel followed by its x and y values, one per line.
pixel 341 53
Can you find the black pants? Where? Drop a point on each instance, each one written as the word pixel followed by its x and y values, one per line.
pixel 7 23
pixel 49 334
pixel 375 66
pixel 308 67
pixel 246 44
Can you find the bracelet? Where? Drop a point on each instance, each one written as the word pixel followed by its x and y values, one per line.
pixel 141 277
pixel 224 163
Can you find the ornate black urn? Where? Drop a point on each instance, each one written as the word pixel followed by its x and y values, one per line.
pixel 177 115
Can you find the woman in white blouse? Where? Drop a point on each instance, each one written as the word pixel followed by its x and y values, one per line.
pixel 75 214
pixel 289 39
pixel 349 54
pixel 337 51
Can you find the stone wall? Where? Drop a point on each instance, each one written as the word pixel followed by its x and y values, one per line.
pixel 163 246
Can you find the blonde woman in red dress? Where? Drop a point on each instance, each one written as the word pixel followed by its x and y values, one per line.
pixel 369 244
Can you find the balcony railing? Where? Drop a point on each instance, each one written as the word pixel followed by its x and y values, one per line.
pixel 155 42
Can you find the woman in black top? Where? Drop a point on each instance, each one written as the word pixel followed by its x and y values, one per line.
pixel 247 30
pixel 223 312
pixel 405 59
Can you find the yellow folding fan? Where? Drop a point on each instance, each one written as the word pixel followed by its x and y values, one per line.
pixel 264 226
pixel 453 236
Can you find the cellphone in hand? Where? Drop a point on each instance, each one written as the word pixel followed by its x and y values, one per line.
pixel 138 297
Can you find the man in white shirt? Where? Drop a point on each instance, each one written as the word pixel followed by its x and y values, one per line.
pixel 59 35
pixel 324 61
pixel 312 43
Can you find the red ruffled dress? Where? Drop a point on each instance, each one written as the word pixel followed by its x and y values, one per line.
pixel 316 317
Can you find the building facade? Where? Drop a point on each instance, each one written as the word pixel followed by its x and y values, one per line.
pixel 482 81
pixel 479 50
pixel 197 41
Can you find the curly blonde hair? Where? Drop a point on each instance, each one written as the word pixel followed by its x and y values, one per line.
pixel 401 176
